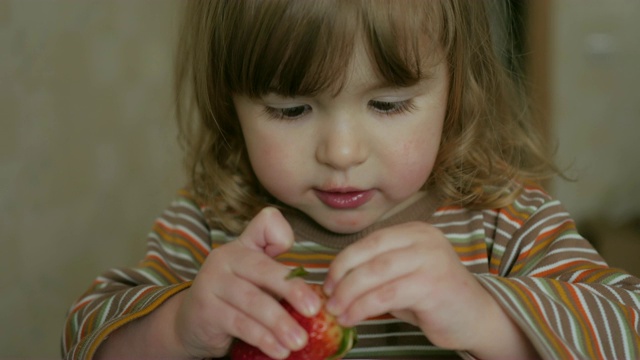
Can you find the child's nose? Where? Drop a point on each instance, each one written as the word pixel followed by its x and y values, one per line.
pixel 342 147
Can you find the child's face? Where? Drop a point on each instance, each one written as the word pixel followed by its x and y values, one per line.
pixel 351 159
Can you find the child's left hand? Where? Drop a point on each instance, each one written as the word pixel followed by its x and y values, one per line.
pixel 412 271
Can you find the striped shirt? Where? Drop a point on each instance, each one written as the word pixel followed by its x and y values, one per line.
pixel 528 255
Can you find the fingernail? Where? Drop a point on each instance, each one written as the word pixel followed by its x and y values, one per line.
pixel 311 306
pixel 281 352
pixel 332 307
pixel 328 287
pixel 296 339
pixel 343 320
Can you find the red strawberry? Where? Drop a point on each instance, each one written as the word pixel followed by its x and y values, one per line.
pixel 327 339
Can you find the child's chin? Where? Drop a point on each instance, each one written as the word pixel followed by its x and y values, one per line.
pixel 344 223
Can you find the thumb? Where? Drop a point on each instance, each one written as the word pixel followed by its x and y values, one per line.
pixel 268 232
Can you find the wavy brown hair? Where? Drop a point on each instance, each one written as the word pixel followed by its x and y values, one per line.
pixel 297 47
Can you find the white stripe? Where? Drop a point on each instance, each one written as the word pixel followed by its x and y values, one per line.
pixel 172 265
pixel 573 250
pixel 535 192
pixel 171 249
pixel 122 274
pixel 133 299
pixel 537 199
pixel 392 334
pixel 474 262
pixel 606 326
pixel 381 321
pixel 474 218
pixel 507 220
pixel 562 262
pixel 461 236
pixel 143 272
pixel 194 237
pixel 395 348
pixel 587 310
pixel 107 306
pixel 175 215
pixel 501 294
pixel 532 228
pixel 313 270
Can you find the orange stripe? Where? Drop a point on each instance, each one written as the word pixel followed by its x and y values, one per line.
pixel 594 275
pixel 558 229
pixel 449 208
pixel 469 248
pixel 152 262
pixel 473 257
pixel 510 213
pixel 184 241
pixel 139 296
pixel 526 296
pixel 184 236
pixel 570 305
pixel 588 327
pixel 562 268
pixel 109 329
pixel 521 261
pixel 81 305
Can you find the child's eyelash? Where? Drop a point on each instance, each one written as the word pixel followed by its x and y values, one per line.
pixel 287 113
pixel 392 107
pixel 382 107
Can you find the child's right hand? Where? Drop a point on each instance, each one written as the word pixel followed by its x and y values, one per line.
pixel 233 295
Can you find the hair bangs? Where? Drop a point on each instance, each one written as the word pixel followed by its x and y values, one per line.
pixel 296 48
pixel 304 47
pixel 404 39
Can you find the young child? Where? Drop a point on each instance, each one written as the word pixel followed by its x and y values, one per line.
pixel 381 145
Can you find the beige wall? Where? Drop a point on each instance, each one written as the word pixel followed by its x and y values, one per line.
pixel 595 96
pixel 88 156
pixel 595 70
pixel 87 151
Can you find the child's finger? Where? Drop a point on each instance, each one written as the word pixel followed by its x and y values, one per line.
pixel 258 307
pixel 240 325
pixel 401 293
pixel 364 250
pixel 381 269
pixel 268 232
pixel 271 276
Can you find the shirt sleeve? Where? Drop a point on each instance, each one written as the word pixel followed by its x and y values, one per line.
pixel 558 289
pixel 176 249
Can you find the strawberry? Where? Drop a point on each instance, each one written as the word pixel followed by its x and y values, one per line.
pixel 327 339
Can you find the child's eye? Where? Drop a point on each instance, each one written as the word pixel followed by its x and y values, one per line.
pixel 391 107
pixel 287 113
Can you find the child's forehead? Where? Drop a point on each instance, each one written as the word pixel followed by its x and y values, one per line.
pixel 362 71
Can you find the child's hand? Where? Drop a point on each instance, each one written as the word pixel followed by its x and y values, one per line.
pixel 412 272
pixel 233 295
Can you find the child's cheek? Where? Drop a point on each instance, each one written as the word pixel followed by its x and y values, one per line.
pixel 412 164
pixel 275 168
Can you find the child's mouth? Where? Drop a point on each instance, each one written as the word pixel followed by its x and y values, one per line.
pixel 344 198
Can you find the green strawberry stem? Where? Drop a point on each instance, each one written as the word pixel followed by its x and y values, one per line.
pixel 349 340
pixel 349 336
pixel 297 272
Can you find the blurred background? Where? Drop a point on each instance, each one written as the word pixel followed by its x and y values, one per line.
pixel 88 151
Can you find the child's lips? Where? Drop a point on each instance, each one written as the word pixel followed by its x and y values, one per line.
pixel 346 198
